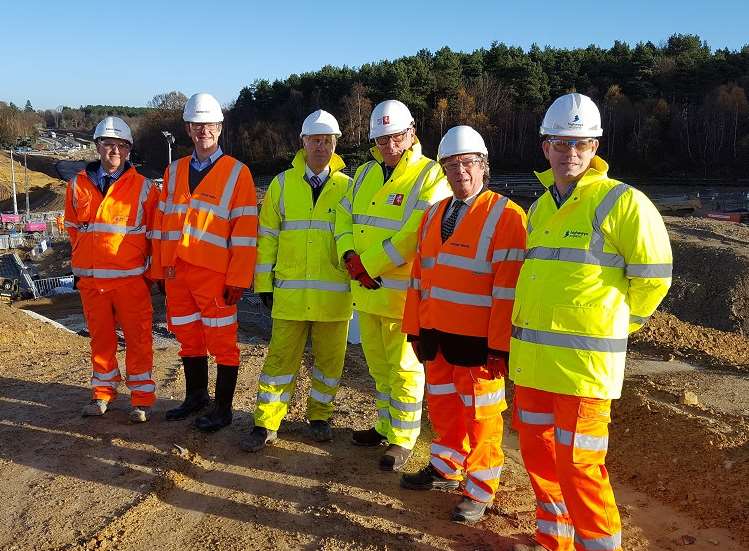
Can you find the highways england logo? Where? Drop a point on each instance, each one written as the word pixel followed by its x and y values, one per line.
pixel 575 122
pixel 575 234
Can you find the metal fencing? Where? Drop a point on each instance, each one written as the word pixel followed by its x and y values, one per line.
pixel 44 287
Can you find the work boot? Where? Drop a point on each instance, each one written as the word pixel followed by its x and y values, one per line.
pixel 428 479
pixel 196 383
pixel 257 439
pixel 95 408
pixel 394 458
pixel 369 437
pixel 220 416
pixel 320 431
pixel 139 414
pixel 469 510
pixel 526 547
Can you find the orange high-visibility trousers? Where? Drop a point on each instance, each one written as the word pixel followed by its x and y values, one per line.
pixel 129 306
pixel 198 316
pixel 465 410
pixel 563 441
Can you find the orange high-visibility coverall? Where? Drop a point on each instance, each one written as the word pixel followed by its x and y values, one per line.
pixel 458 306
pixel 111 255
pixel 207 240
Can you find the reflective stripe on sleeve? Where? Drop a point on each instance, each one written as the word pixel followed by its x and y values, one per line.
pixel 649 270
pixel 393 254
pixel 265 230
pixel 235 241
pixel 503 293
pixel 263 268
pixel 242 211
pixel 501 255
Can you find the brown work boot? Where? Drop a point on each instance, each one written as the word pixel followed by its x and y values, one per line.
pixel 95 408
pixel 394 458
pixel 469 510
pixel 369 437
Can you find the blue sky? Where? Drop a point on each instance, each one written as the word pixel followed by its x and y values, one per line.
pixel 87 52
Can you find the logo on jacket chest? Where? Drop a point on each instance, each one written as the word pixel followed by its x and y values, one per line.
pixel 575 234
pixel 395 199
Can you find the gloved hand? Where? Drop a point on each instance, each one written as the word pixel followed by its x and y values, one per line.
pixel 232 294
pixel 267 300
pixel 358 272
pixel 496 363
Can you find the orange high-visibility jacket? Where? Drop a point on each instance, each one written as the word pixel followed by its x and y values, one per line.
pixel 466 285
pixel 215 227
pixel 108 233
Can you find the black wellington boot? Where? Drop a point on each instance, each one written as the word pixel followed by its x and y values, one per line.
pixel 196 381
pixel 220 416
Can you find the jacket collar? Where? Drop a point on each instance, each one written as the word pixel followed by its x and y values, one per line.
pixel 597 170
pixel 409 156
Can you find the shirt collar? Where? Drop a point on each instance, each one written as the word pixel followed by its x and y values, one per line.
pixel 200 165
pixel 100 173
pixel 469 200
pixel 323 175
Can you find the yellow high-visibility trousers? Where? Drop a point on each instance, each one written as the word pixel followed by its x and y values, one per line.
pixel 278 378
pixel 398 376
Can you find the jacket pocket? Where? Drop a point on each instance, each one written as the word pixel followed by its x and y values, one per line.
pixel 586 320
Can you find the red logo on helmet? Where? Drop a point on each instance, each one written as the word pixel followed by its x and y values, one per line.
pixel 385 119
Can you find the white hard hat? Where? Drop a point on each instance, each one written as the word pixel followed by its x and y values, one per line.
pixel 113 127
pixel 202 107
pixel 389 117
pixel 459 140
pixel 320 122
pixel 573 115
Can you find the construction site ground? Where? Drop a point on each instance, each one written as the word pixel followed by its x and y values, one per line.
pixel 678 454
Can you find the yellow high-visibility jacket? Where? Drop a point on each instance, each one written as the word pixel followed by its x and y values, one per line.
pixel 297 258
pixel 595 269
pixel 380 221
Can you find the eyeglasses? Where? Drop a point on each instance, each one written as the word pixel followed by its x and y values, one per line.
pixel 453 166
pixel 210 126
pixel 113 145
pixel 397 138
pixel 563 146
pixel 326 140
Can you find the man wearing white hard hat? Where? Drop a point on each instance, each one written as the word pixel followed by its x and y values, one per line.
pixel 109 214
pixel 299 278
pixel 457 318
pixel 597 266
pixel 205 247
pixel 376 232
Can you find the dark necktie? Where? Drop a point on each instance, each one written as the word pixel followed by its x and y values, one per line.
pixel 106 181
pixel 448 224
pixel 315 181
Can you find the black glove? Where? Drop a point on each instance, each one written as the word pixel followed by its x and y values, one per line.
pixel 75 281
pixel 267 300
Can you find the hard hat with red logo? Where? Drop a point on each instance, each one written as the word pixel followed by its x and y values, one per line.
pixel 389 117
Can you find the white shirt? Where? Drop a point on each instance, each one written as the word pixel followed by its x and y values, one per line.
pixel 324 174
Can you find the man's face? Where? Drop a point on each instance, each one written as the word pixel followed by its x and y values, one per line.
pixel 393 146
pixel 204 134
pixel 113 153
pixel 569 158
pixel 465 174
pixel 319 148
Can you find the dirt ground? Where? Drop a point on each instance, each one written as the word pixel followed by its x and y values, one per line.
pixel 679 449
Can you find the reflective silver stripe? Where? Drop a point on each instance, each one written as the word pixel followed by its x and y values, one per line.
pixel 183 320
pixel 73 191
pixel 490 399
pixel 202 235
pixel 565 340
pixel 443 467
pixel 606 543
pixel 142 387
pixel 307 225
pixel 231 184
pixel 362 175
pixel 460 298
pixel 144 191
pixel 112 228
pixel 562 436
pixel 467 399
pixel 393 254
pixel 592 443
pixel 235 241
pixel 424 294
pixel 140 377
pixel 162 206
pixel 535 418
pixel 492 473
pixel 413 197
pixel 554 507
pixel 328 381
pixel 382 396
pixel 399 284
pixel 553 528
pixel 421 205
pixel 220 322
pixel 501 255
pixel 415 283
pixel 440 390
pixel 174 235
pixel 531 210
pixel 153 234
pixel 377 222
pixel 273 397
pixel 406 425
pixel 580 256
pixel 405 406
pixel 281 203
pixel 638 319
pixel 70 224
pixel 312 284
pixel 216 210
pixel 96 382
pixel 430 215
pixel 338 236
pixel 346 204
pixel 444 451
pixel 265 230
pixel 478 493
pixel 472 264
pixel 180 208
pixel 427 262
pixel 172 185
pixel 503 293
pixel 242 211
pixel 602 211
pixel 487 231
pixel 108 274
pixel 105 376
pixel 384 413
pixel 278 380
pixel 649 270
pixel 321 397
pixel 263 268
